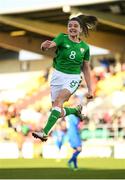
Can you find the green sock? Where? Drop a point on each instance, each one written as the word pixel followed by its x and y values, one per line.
pixel 70 111
pixel 51 120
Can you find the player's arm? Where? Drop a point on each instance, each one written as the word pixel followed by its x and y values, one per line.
pixel 54 43
pixel 87 76
pixel 47 45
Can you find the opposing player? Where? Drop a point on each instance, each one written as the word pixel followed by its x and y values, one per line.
pixel 74 139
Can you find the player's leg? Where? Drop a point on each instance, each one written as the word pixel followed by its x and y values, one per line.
pixel 70 162
pixel 57 109
pixel 76 156
pixel 56 112
pixel 73 159
pixel 55 89
pixel 60 91
pixel 76 111
pixel 72 84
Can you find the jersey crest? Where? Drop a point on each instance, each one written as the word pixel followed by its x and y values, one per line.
pixel 82 50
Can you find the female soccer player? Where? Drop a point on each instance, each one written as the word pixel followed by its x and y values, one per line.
pixel 72 57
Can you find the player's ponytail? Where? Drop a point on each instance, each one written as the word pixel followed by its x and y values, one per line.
pixel 86 22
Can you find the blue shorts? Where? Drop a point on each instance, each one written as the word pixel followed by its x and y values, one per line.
pixel 75 142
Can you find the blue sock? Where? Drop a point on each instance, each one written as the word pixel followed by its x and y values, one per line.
pixel 75 163
pixel 74 158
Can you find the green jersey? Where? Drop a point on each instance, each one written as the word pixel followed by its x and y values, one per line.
pixel 70 55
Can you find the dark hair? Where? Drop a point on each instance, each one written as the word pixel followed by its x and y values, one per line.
pixel 86 22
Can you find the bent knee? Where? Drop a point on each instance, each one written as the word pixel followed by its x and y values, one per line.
pixel 57 103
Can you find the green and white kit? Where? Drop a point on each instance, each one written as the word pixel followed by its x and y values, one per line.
pixel 67 64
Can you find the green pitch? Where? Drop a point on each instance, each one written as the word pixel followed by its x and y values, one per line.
pixel 89 168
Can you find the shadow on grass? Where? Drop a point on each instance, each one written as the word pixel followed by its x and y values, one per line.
pixel 61 173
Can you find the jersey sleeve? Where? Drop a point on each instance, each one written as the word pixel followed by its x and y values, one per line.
pixel 87 55
pixel 58 39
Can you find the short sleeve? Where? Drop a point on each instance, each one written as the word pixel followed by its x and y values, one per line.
pixel 87 54
pixel 59 39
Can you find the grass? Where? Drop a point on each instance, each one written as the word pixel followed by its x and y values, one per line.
pixel 89 168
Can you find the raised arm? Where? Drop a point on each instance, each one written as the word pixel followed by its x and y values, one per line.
pixel 47 45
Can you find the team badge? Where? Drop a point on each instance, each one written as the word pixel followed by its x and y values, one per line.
pixel 82 50
pixel 73 83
